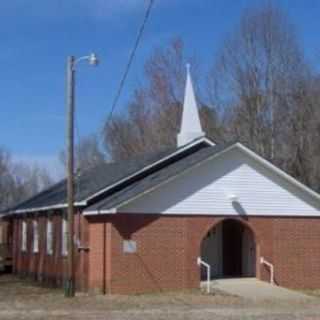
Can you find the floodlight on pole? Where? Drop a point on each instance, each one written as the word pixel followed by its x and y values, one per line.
pixel 91 58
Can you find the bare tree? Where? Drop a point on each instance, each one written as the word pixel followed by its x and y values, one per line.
pixel 6 180
pixel 19 181
pixel 152 118
pixel 303 151
pixel 31 178
pixel 88 153
pixel 255 76
pixel 268 92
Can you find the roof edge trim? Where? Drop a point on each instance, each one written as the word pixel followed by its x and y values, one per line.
pixel 56 206
pixel 98 212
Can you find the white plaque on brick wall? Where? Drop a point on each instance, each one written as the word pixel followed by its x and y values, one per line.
pixel 129 246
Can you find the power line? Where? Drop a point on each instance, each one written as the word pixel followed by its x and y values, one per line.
pixel 131 57
pixel 126 70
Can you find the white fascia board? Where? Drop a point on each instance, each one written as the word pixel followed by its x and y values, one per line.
pixel 202 139
pixel 97 212
pixel 278 171
pixel 207 140
pixel 56 206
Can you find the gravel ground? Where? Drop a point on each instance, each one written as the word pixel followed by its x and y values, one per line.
pixel 25 300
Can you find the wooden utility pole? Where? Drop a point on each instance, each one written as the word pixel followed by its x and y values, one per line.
pixel 69 285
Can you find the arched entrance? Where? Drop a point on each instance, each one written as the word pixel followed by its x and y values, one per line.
pixel 230 249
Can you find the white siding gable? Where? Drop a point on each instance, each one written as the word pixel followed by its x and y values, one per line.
pixel 231 184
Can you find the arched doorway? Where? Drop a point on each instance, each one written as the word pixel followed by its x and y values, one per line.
pixel 230 249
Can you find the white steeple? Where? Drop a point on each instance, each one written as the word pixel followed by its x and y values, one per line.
pixel 190 126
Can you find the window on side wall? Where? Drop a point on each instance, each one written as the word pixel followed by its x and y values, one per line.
pixel 49 237
pixel 1 234
pixel 35 237
pixel 64 234
pixel 24 236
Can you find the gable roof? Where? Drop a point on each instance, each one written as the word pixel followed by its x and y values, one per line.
pixel 95 183
pixel 163 175
pixel 107 187
pixel 174 170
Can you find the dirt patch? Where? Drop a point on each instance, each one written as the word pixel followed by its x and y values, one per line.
pixel 22 299
pixel 313 293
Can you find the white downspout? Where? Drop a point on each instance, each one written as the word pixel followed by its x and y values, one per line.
pixel 270 266
pixel 207 266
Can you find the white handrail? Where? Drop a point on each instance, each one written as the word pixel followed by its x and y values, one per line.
pixel 207 266
pixel 271 267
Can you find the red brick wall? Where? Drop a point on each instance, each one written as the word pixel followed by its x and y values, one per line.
pixel 5 232
pixel 97 255
pixel 167 248
pixel 296 248
pixel 5 244
pixel 49 269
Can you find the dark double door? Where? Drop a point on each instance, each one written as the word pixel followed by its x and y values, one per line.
pixel 232 248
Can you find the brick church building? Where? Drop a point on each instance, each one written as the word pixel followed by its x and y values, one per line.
pixel 142 224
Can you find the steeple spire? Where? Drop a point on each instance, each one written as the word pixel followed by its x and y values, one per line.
pixel 190 126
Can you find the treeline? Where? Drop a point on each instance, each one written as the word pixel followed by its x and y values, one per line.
pixel 19 181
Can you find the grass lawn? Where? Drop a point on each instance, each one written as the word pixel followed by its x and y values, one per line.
pixel 21 299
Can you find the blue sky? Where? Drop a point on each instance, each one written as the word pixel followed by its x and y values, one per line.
pixel 38 35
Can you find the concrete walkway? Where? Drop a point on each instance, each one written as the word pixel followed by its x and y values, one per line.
pixel 254 289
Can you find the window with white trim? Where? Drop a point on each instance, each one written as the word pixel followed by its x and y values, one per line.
pixel 49 237
pixel 35 236
pixel 1 234
pixel 24 236
pixel 64 234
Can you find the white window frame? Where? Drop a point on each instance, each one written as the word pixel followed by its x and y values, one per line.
pixel 24 235
pixel 35 234
pixel 49 237
pixel 1 234
pixel 64 237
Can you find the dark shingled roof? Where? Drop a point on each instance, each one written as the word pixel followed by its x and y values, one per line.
pixel 96 179
pixel 91 181
pixel 140 186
